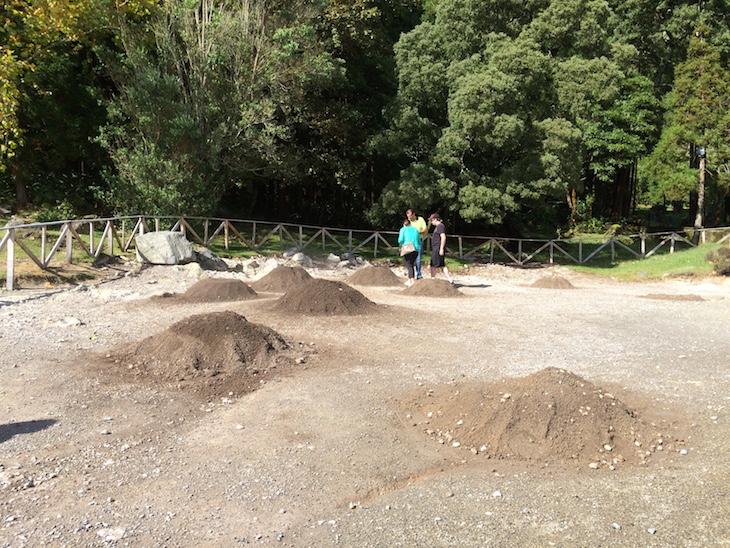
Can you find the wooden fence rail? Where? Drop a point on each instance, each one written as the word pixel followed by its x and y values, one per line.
pixel 254 235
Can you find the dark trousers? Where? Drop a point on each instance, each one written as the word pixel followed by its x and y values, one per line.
pixel 410 260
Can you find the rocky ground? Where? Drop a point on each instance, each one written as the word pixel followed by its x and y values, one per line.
pixel 485 417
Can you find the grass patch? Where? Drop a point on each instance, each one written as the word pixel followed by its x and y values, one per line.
pixel 687 262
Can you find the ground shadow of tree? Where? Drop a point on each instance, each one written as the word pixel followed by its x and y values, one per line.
pixel 7 431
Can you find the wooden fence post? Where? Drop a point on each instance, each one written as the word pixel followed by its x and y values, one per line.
pixel 69 245
pixel 10 260
pixel 44 235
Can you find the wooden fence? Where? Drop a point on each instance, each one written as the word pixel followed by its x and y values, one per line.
pixel 93 236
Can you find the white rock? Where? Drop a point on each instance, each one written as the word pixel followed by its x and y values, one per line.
pixel 112 534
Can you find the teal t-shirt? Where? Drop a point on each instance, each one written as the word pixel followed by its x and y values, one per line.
pixel 409 234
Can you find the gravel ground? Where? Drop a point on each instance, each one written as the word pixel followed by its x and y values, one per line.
pixel 325 456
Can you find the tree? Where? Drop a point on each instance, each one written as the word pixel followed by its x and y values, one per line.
pixel 495 103
pixel 50 92
pixel 215 106
pixel 697 115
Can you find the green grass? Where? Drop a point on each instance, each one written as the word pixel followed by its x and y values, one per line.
pixel 687 262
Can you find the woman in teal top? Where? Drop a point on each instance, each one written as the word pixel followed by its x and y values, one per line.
pixel 409 235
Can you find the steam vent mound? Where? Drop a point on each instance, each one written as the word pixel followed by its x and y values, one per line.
pixel 215 354
pixel 218 289
pixel 282 279
pixel 433 288
pixel 321 297
pixel 551 416
pixel 553 282
pixel 378 276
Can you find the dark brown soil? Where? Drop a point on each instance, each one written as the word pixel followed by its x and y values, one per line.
pixel 282 279
pixel 553 282
pixel 550 416
pixel 218 289
pixel 216 354
pixel 320 296
pixel 433 288
pixel 685 297
pixel 378 276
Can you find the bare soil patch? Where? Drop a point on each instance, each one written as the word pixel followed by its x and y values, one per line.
pixel 551 416
pixel 376 276
pixel 217 354
pixel 218 289
pixel 553 282
pixel 320 296
pixel 668 297
pixel 282 279
pixel 234 422
pixel 433 288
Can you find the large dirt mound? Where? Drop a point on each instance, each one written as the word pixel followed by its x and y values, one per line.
pixel 378 276
pixel 215 354
pixel 218 289
pixel 433 287
pixel 282 279
pixel 550 416
pixel 319 296
pixel 553 282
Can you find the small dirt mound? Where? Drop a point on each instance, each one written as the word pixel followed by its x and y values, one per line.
pixel 681 297
pixel 378 276
pixel 215 354
pixel 550 416
pixel 319 296
pixel 282 279
pixel 433 288
pixel 553 282
pixel 218 289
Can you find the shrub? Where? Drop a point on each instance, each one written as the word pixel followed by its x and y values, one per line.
pixel 721 260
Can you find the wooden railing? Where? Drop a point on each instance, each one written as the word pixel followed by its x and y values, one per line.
pixel 92 236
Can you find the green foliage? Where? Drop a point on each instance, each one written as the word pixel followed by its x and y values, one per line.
pixel 62 211
pixel 720 258
pixel 697 114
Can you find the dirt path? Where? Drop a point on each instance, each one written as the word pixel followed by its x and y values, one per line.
pixel 337 448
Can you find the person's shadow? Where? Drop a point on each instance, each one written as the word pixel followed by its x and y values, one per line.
pixel 7 431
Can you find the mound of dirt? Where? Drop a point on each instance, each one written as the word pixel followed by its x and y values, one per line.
pixel 319 296
pixel 218 289
pixel 680 297
pixel 550 416
pixel 214 354
pixel 282 279
pixel 379 276
pixel 553 282
pixel 433 288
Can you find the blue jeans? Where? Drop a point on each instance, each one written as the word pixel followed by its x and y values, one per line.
pixel 418 262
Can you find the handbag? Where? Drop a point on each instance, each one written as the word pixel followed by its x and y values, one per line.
pixel 407 248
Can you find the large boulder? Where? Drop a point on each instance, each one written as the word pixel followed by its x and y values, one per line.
pixel 210 261
pixel 164 247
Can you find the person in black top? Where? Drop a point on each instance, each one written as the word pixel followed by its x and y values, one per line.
pixel 438 248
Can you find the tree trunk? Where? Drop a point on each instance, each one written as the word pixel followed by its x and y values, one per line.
pixel 21 189
pixel 700 201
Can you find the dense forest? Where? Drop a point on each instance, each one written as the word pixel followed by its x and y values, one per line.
pixel 516 116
